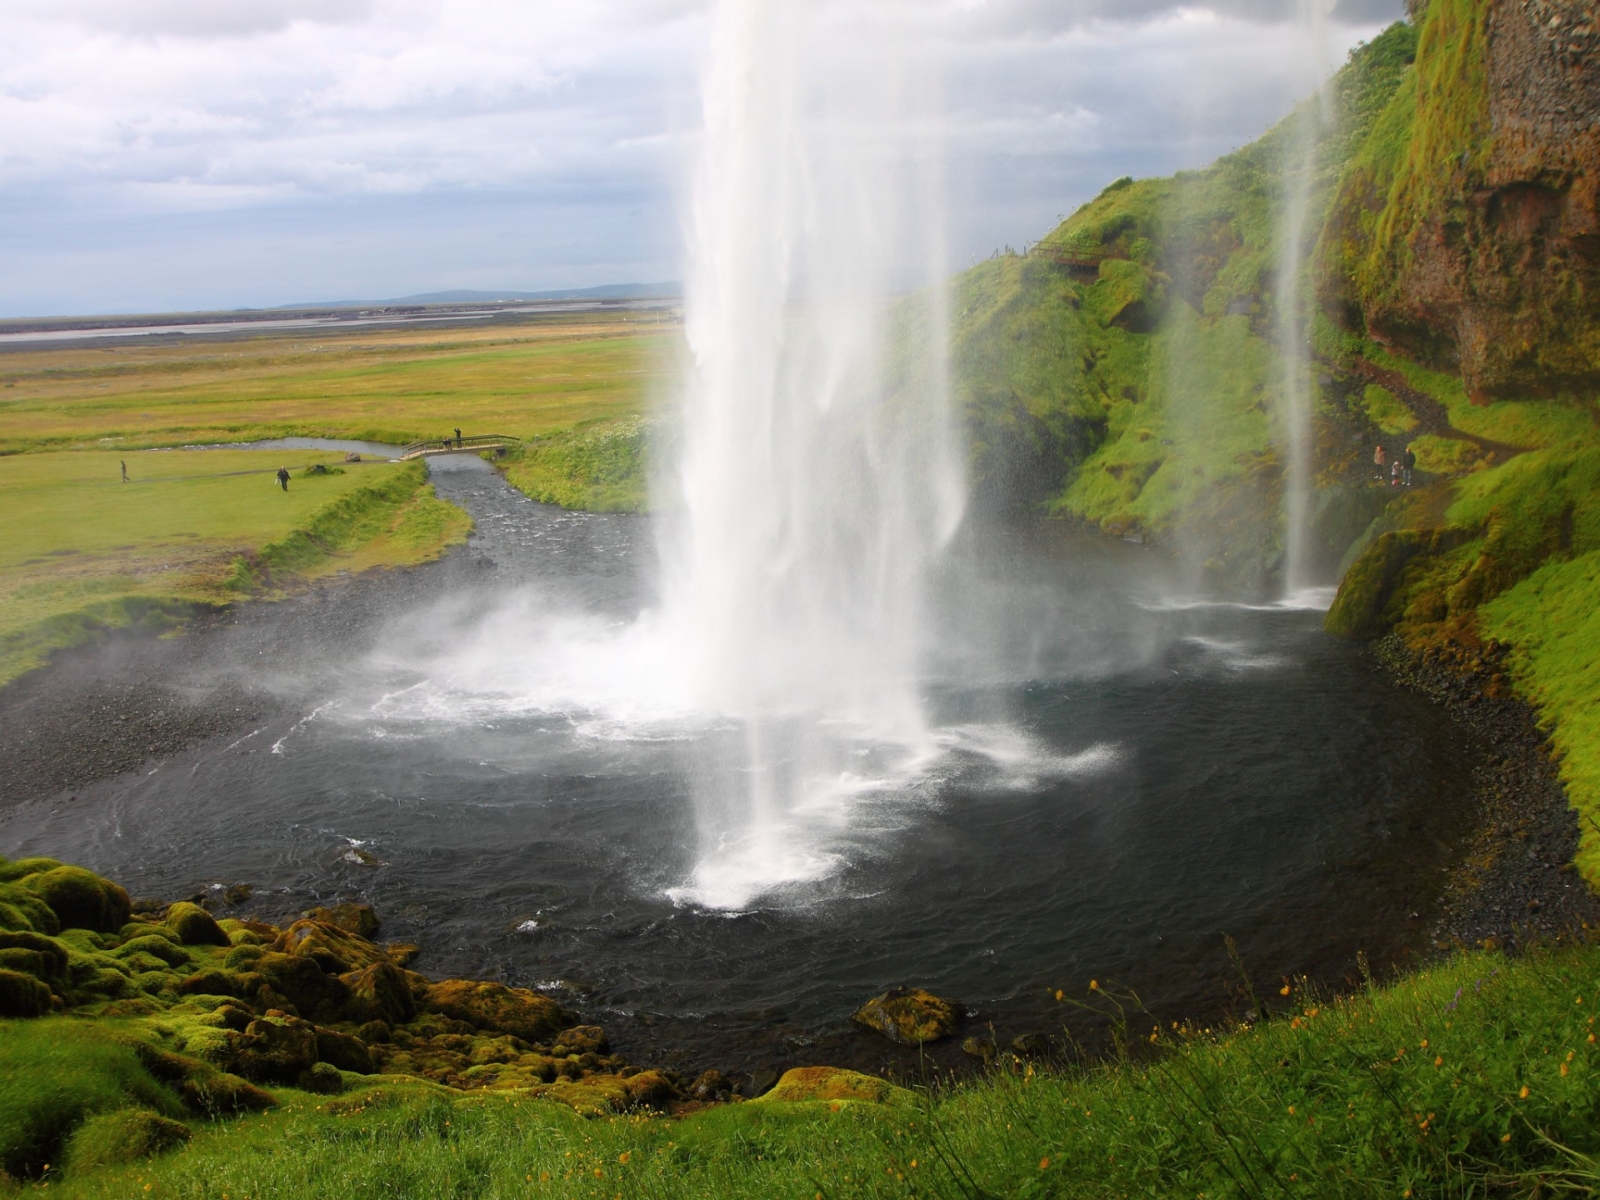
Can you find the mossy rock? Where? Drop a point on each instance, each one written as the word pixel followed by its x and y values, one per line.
pixel 276 1048
pixel 594 1096
pixel 909 1016
pixel 337 950
pixel 306 984
pixel 344 1051
pixel 125 1136
pixel 42 957
pixel 381 992
pixel 160 948
pixel 834 1084
pixel 21 995
pixel 195 926
pixel 500 1009
pixel 10 872
pixel 81 899
pixel 322 1078
pixel 24 912
pixel 359 919
pixel 582 1039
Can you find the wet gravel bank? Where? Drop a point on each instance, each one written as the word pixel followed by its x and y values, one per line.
pixel 1514 881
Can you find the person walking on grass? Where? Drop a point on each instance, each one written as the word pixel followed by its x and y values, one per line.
pixel 123 464
pixel 283 478
pixel 1409 458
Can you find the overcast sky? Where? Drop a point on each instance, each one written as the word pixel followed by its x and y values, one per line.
pixel 186 154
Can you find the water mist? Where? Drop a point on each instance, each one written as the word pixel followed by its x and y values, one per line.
pixel 1293 333
pixel 818 475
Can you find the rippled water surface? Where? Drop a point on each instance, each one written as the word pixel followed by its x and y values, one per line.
pixel 1117 776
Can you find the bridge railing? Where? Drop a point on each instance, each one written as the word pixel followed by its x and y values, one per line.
pixel 482 441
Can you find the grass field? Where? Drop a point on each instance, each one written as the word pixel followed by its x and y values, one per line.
pixel 85 551
pixel 396 386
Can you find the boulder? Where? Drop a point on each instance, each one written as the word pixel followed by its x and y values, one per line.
pixel 22 995
pixel 338 950
pixel 649 1089
pixel 322 1078
pixel 81 899
pixel 909 1016
pixel 500 1009
pixel 276 1048
pixel 582 1039
pixel 23 911
pixel 359 919
pixel 833 1084
pixel 711 1086
pixel 48 957
pixel 980 1047
pixel 345 1051
pixel 379 993
pixel 194 925
pixel 304 983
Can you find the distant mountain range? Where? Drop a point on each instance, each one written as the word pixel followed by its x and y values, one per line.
pixel 611 291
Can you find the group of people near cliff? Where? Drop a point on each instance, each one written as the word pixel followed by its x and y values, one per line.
pixel 1400 467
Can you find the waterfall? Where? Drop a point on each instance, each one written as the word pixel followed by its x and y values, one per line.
pixel 817 474
pixel 1293 333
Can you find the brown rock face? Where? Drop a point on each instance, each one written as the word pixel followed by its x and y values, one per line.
pixel 1501 271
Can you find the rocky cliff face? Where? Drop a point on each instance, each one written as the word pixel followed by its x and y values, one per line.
pixel 1469 235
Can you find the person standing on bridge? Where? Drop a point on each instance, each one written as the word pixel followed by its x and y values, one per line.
pixel 458 439
pixel 283 478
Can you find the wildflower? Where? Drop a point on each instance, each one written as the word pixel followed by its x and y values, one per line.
pixel 1563 1070
pixel 1291 1110
pixel 1507 1138
pixel 598 1173
pixel 1094 985
pixel 1044 1164
pixel 1284 990
pixel 1523 1094
pixel 1439 1061
pixel 1060 995
pixel 914 1164
pixel 624 1156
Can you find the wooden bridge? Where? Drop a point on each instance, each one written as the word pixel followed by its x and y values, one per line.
pixel 465 445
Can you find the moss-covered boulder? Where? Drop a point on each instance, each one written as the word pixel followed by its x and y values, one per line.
pixel 381 992
pixel 359 919
pixel 122 1137
pixel 10 872
pixel 498 1008
pixel 22 995
pixel 337 950
pixel 22 911
pixel 34 954
pixel 305 983
pixel 909 1016
pixel 81 899
pixel 194 925
pixel 276 1048
pixel 582 1039
pixel 344 1051
pixel 834 1083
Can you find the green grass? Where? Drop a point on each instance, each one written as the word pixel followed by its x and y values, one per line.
pixel 393 386
pixel 1472 1078
pixel 603 469
pixel 85 551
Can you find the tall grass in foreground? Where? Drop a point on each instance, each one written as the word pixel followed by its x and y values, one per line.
pixel 1474 1078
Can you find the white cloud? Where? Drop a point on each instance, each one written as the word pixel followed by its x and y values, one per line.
pixel 118 114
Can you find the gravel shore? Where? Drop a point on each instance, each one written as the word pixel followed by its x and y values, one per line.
pixel 1514 881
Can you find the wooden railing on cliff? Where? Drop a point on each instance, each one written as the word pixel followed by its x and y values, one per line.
pixel 464 445
pixel 1077 255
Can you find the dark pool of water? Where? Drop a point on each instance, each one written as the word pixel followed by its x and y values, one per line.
pixel 1129 781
